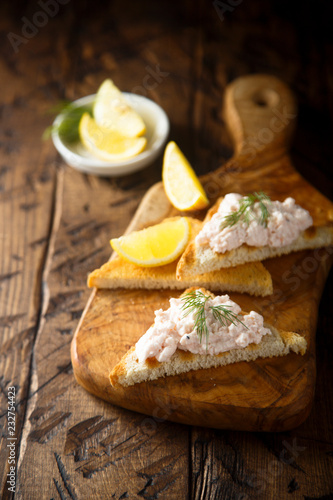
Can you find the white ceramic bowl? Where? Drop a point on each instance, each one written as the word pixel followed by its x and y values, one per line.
pixel 157 125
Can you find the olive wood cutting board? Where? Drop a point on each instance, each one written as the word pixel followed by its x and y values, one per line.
pixel 265 395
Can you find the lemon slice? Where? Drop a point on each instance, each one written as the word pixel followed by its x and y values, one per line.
pixel 156 245
pixel 181 184
pixel 108 144
pixel 112 110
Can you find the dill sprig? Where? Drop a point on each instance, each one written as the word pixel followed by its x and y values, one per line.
pixel 195 301
pixel 246 210
pixel 68 126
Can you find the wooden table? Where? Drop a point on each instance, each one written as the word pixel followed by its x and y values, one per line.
pixel 56 224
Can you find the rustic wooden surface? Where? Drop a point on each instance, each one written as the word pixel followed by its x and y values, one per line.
pixel 56 223
pixel 269 394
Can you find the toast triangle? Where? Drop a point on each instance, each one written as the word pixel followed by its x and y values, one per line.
pixel 252 278
pixel 129 371
pixel 199 259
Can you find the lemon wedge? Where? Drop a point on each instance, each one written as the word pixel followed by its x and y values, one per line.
pixel 156 245
pixel 181 184
pixel 112 110
pixel 106 144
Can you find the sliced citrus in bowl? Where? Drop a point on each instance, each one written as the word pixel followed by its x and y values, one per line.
pixel 181 184
pixel 106 144
pixel 156 245
pixel 112 110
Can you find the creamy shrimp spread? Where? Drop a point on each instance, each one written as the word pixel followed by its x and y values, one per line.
pixel 173 330
pixel 284 224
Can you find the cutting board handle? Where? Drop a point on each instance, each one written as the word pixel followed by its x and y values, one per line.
pixel 260 112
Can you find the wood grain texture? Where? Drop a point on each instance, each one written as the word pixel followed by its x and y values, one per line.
pixel 265 395
pixel 71 444
pixel 27 197
pixel 92 442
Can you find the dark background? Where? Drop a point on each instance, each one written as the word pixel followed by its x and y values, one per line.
pixel 291 40
pixel 202 46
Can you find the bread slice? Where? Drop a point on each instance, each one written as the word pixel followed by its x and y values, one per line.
pixel 129 371
pixel 253 278
pixel 202 259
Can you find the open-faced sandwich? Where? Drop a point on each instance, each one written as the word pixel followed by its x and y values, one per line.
pixel 240 229
pixel 252 278
pixel 200 331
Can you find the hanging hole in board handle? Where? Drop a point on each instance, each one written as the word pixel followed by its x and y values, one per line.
pixel 260 112
pixel 266 98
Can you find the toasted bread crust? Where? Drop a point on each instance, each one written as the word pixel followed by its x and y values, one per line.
pixel 202 259
pixel 129 371
pixel 253 278
pixel 119 371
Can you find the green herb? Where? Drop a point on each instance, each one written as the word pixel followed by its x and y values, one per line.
pixel 68 126
pixel 195 301
pixel 246 211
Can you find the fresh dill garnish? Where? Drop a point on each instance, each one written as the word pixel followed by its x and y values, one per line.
pixel 68 126
pixel 246 211
pixel 195 301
